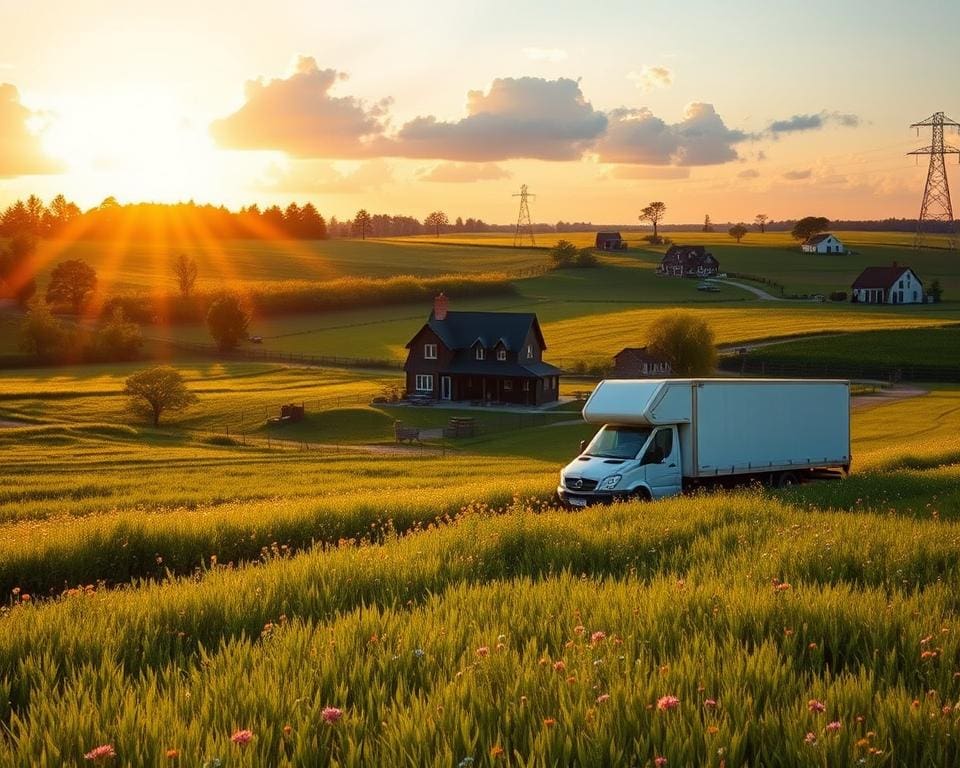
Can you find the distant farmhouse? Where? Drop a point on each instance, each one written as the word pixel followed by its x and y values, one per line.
pixel 610 241
pixel 887 285
pixel 638 363
pixel 688 261
pixel 825 243
pixel 482 356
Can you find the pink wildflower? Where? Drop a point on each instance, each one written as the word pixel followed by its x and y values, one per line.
pixel 242 737
pixel 598 637
pixel 331 714
pixel 659 761
pixel 833 726
pixel 483 651
pixel 603 697
pixel 710 703
pixel 101 754
pixel 665 703
pixel 810 738
pixel 815 705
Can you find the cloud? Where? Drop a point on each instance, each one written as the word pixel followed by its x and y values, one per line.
pixel 21 150
pixel 299 116
pixel 458 173
pixel 639 136
pixel 552 55
pixel 527 117
pixel 629 172
pixel 310 176
pixel 800 123
pixel 806 173
pixel 649 77
pixel 750 173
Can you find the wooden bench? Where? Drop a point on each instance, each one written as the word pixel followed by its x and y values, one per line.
pixel 408 434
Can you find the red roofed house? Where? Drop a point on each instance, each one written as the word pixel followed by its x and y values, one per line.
pixel 887 285
pixel 688 261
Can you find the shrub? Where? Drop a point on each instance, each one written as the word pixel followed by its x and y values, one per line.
pixel 43 336
pixel 228 320
pixel 838 296
pixel 119 339
pixel 157 390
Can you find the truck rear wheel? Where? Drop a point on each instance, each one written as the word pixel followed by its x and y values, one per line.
pixel 787 479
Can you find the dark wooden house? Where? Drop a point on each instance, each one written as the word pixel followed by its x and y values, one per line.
pixel 638 363
pixel 688 261
pixel 610 241
pixel 482 356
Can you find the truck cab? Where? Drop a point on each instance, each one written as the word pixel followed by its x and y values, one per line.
pixel 624 461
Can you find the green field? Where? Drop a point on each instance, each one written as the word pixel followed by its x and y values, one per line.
pixel 447 611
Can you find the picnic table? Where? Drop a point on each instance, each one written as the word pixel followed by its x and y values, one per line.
pixel 404 433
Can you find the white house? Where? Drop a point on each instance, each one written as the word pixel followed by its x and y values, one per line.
pixel 825 243
pixel 887 285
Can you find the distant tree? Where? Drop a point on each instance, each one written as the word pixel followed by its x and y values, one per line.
pixel 563 254
pixel 292 220
pixel 158 390
pixel 654 213
pixel 228 320
pixel 273 218
pixel 458 224
pixel 809 226
pixel 42 335
pixel 707 224
pixel 109 202
pixel 185 268
pixel 118 339
pixel 436 221
pixel 935 291
pixel 72 283
pixel 685 341
pixel 761 220
pixel 738 231
pixel 361 223
pixel 312 225
pixel 16 267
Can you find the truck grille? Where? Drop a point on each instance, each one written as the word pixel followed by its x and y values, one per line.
pixel 580 484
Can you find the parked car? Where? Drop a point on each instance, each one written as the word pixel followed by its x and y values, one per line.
pixel 256 339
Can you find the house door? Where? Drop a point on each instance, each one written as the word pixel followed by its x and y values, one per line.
pixel 446 388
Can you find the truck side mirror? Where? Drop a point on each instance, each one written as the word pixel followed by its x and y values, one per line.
pixel 583 446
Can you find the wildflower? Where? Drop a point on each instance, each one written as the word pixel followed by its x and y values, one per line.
pixel 926 640
pixel 863 743
pixel 598 637
pixel 172 754
pixel 242 737
pixel 810 738
pixel 833 726
pixel 928 655
pixel 659 761
pixel 549 722
pixel 603 697
pixel 812 646
pixel 25 597
pixel 523 699
pixel 579 629
pixel 465 763
pixel 287 730
pixel 501 638
pixel 666 703
pixel 782 587
pixel 814 705
pixel 483 651
pixel 331 714
pixel 559 666
pixel 100 754
pixel 712 729
pixel 710 703
pixel 496 751
pixel 571 680
pixel 916 704
pixel 418 652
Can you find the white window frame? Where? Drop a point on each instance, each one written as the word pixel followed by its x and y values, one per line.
pixel 501 354
pixel 424 382
pixel 481 353
pixel 529 351
pixel 429 351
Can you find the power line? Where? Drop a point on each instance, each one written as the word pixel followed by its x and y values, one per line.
pixel 936 205
pixel 524 224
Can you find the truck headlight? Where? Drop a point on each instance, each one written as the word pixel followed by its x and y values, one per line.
pixel 609 483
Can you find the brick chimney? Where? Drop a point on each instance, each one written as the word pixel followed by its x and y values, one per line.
pixel 440 305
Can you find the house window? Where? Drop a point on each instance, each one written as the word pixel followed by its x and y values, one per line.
pixel 507 385
pixel 481 353
pixel 529 351
pixel 501 354
pixel 429 351
pixel 424 382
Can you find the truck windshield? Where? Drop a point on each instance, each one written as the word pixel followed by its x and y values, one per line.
pixel 618 442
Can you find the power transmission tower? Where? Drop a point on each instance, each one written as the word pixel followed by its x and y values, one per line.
pixel 524 225
pixel 936 204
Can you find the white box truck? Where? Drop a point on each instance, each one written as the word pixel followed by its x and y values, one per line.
pixel 661 437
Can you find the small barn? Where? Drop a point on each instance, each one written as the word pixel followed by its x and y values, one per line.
pixel 895 284
pixel 480 356
pixel 823 243
pixel 688 261
pixel 638 363
pixel 610 241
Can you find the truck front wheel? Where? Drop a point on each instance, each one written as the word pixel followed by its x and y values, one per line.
pixel 787 479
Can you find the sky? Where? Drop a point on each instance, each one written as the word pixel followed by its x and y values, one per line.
pixel 727 110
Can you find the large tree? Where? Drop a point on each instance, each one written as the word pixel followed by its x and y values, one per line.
pixel 157 390
pixel 436 221
pixel 72 283
pixel 185 268
pixel 761 219
pixel 654 213
pixel 42 335
pixel 738 231
pixel 685 341
pixel 361 223
pixel 809 226
pixel 228 320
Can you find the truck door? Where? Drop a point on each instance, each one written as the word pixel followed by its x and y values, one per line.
pixel 661 462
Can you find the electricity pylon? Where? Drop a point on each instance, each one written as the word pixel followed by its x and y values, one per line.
pixel 524 225
pixel 936 204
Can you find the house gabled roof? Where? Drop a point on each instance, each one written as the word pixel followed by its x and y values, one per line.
pixel 640 353
pixel 608 236
pixel 881 277
pixel 461 330
pixel 817 239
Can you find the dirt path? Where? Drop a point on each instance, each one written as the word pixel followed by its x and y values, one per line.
pixel 758 292
pixel 884 397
